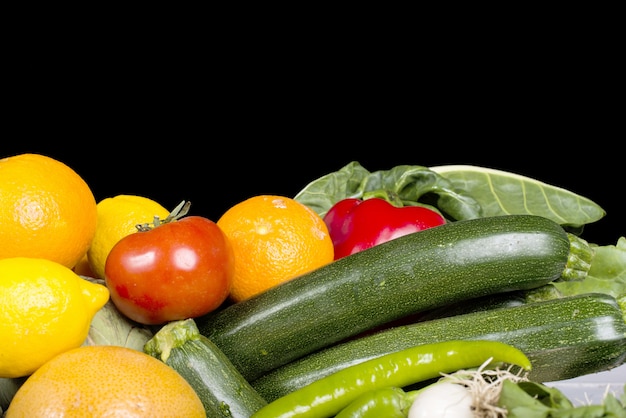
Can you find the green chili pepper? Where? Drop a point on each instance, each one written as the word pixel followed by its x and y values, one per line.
pixel 388 402
pixel 327 396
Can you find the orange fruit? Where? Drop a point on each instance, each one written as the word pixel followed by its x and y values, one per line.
pixel 105 381
pixel 47 211
pixel 274 239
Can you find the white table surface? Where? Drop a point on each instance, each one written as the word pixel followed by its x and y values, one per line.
pixel 591 388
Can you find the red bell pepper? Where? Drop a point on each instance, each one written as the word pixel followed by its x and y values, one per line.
pixel 357 224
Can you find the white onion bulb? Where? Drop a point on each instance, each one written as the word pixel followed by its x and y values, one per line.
pixel 442 400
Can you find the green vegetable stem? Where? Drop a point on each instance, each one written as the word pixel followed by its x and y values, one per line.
pixel 327 396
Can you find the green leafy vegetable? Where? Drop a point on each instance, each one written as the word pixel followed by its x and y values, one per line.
pixel 610 261
pixel 501 193
pixel 534 400
pixel 459 192
pixel 413 185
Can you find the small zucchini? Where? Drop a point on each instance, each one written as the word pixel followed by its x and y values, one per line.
pixel 414 273
pixel 220 386
pixel 563 338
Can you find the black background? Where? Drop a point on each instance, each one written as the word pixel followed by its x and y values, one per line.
pixel 216 125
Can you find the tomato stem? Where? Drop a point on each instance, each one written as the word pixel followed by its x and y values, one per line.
pixel 179 211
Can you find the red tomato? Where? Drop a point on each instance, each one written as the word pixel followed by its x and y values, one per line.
pixel 177 270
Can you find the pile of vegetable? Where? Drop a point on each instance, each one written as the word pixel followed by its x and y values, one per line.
pixel 451 285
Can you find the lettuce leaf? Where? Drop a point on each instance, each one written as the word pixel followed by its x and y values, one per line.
pixel 535 400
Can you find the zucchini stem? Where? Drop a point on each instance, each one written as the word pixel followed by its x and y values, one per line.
pixel 579 260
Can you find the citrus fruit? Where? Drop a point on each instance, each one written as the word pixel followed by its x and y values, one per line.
pixel 46 309
pixel 274 239
pixel 118 217
pixel 105 381
pixel 48 210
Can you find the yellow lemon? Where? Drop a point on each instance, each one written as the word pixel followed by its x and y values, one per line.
pixel 46 310
pixel 117 217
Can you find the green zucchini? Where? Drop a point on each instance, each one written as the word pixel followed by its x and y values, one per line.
pixel 563 338
pixel 416 272
pixel 221 388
